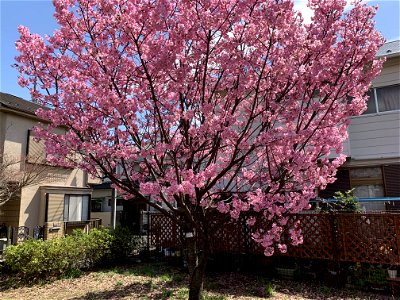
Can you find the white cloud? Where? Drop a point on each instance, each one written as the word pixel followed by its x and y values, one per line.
pixel 307 13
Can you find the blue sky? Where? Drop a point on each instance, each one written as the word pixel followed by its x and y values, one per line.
pixel 38 16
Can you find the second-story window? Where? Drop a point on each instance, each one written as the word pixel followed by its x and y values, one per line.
pixel 383 99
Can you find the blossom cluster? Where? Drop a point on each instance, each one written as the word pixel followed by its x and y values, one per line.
pixel 234 106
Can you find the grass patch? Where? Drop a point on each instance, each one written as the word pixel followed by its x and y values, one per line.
pixel 150 270
pixel 213 297
pixel 182 294
pixel 326 289
pixel 73 273
pixel 177 278
pixel 150 285
pixel 167 278
pixel 119 283
pixel 166 294
pixel 211 285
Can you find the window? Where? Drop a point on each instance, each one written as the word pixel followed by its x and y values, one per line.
pixel 383 99
pixel 120 202
pixel 76 207
pixel 368 182
pixel 97 204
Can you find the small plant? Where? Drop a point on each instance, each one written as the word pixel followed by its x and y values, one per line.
pixel 166 294
pixel 376 275
pixel 347 200
pixel 326 289
pixel 357 275
pixel 372 276
pixel 344 202
pixel 166 277
pixel 269 290
pixel 119 283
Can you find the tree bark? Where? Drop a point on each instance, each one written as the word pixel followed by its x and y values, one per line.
pixel 197 262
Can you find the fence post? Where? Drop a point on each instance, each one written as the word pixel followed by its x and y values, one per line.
pixel 9 235
pixel 148 231
pixel 397 232
pixel 333 222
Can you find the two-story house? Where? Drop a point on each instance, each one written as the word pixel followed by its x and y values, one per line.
pixel 373 147
pixel 61 199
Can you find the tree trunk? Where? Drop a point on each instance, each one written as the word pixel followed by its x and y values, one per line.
pixel 197 261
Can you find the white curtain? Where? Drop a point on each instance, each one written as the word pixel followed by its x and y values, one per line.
pixel 76 208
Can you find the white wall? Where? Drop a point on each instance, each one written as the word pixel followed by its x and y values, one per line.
pixel 390 73
pixel 375 136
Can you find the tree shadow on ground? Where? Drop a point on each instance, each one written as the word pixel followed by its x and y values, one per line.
pixel 238 284
pixel 12 281
pixel 134 289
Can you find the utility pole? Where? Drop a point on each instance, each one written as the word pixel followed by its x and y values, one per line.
pixel 113 207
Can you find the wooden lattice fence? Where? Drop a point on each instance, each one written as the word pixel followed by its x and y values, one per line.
pixel 164 233
pixel 343 237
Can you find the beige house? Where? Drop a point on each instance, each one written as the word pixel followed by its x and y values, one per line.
pixel 61 198
pixel 373 146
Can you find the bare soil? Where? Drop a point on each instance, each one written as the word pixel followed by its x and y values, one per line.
pixel 160 281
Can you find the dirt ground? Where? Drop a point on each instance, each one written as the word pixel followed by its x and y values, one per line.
pixel 158 281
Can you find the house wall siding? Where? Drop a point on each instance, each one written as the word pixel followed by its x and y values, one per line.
pixel 9 212
pixel 390 73
pixel 2 133
pixel 30 209
pixel 375 136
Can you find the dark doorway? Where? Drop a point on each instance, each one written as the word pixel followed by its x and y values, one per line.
pixel 131 214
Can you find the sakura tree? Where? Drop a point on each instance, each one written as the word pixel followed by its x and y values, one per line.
pixel 208 108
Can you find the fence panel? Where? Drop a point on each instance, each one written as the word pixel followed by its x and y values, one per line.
pixel 370 238
pixel 346 237
pixel 164 233
pixel 318 236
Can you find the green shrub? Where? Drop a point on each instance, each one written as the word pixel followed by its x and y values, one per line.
pixel 123 244
pixel 87 250
pixel 40 259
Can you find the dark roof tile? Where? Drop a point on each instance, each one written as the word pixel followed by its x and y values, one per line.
pixel 18 104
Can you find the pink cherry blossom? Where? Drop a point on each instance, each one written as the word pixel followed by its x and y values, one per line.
pixel 216 108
